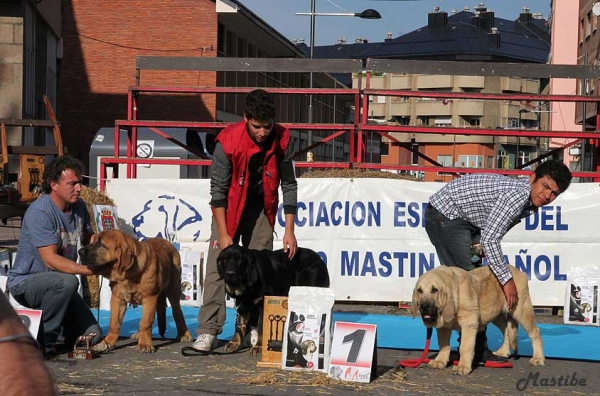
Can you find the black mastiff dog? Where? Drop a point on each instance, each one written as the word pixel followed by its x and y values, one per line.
pixel 250 275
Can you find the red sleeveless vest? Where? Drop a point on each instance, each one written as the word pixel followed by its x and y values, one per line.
pixel 239 147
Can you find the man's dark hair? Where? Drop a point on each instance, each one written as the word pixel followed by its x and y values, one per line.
pixel 557 171
pixel 260 105
pixel 53 171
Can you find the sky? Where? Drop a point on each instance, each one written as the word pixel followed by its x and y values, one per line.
pixel 398 16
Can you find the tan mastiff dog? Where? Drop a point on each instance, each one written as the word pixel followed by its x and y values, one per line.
pixel 450 298
pixel 142 273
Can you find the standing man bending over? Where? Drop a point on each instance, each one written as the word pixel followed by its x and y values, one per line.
pixel 43 275
pixel 474 212
pixel 251 159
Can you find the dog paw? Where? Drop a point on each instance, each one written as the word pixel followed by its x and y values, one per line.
pixel 502 352
pixel 537 361
pixel 135 336
pixel 187 337
pixel 103 347
pixel 461 370
pixel 143 348
pixel 436 364
pixel 255 351
pixel 231 346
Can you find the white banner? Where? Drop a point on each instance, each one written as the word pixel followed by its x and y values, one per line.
pixel 371 231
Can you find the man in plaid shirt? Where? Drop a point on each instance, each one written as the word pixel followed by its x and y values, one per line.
pixel 474 212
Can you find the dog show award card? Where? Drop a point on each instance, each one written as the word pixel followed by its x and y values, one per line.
pixel 353 352
pixel 31 319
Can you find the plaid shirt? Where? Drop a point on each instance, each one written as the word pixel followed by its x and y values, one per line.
pixel 493 203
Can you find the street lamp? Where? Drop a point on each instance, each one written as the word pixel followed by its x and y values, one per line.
pixel 366 14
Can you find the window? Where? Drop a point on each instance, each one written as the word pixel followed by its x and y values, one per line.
pixel 471 122
pixel 470 161
pixel 385 148
pixel 423 120
pixel 221 39
pixel 415 154
pixel 442 121
pixel 512 123
pixel 401 120
pixel 523 158
pixel 444 160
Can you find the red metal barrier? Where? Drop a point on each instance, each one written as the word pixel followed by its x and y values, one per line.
pixel 356 130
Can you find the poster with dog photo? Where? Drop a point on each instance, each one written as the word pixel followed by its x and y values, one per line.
pixel 307 339
pixel 582 304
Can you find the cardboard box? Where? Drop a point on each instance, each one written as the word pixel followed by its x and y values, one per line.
pixel 275 310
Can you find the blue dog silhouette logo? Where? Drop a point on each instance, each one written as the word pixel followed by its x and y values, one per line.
pixel 176 214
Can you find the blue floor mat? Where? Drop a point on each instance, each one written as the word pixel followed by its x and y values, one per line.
pixel 403 332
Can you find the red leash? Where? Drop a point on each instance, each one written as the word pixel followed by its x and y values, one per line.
pixel 414 363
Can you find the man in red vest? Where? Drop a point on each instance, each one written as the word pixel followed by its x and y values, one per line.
pixel 251 159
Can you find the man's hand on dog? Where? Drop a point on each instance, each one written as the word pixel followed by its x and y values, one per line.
pixel 510 292
pixel 290 245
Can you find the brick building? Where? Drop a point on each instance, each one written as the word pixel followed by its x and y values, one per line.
pixel 96 44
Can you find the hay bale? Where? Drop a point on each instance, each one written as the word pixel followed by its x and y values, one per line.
pixel 355 174
pixel 91 284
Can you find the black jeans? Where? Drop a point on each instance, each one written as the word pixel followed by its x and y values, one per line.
pixel 63 310
pixel 452 239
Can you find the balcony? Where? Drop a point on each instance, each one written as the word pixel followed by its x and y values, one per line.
pixel 469 81
pixel 468 107
pixel 434 81
pixel 400 109
pixel 434 108
pixel 400 82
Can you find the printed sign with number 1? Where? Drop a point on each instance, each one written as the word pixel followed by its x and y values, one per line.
pixel 353 352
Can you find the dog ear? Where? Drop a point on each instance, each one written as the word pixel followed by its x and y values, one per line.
pixel 446 301
pixel 414 306
pixel 221 265
pixel 127 252
pixel 250 263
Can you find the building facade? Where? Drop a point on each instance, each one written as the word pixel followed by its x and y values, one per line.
pixel 467 35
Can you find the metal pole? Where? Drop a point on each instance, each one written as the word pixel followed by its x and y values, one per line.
pixel 312 54
pixel 582 166
pixel 518 141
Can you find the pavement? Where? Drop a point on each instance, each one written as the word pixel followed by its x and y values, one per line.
pixel 124 371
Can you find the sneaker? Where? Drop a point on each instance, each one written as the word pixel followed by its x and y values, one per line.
pixel 488 356
pixel 205 343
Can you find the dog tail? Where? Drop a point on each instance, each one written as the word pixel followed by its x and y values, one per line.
pixel 161 313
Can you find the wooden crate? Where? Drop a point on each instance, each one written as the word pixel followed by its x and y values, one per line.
pixel 273 330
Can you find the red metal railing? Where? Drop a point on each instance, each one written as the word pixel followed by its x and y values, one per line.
pixel 355 130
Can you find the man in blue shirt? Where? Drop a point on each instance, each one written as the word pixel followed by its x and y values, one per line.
pixel 45 268
pixel 474 212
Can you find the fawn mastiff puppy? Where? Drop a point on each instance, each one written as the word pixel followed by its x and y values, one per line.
pixel 142 273
pixel 451 298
